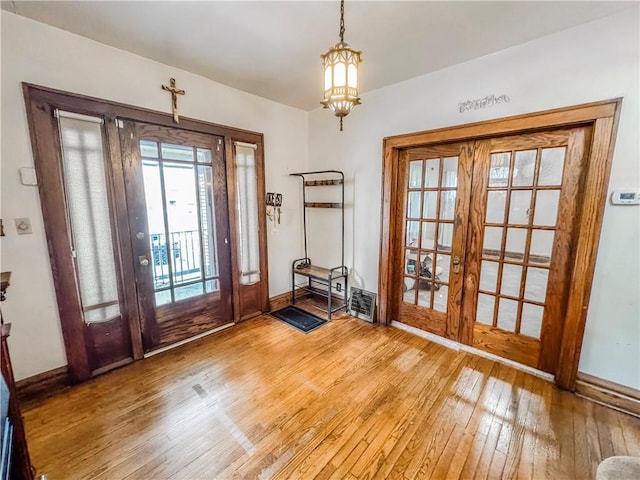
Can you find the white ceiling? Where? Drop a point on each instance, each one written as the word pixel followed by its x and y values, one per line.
pixel 272 49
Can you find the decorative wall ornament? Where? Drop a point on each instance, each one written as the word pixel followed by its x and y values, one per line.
pixel 488 101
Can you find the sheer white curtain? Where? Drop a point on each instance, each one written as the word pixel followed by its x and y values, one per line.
pixel 247 210
pixel 88 211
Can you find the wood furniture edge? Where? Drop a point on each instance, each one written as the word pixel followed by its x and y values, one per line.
pixel 610 394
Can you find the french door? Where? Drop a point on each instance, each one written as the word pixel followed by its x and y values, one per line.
pixel 487 239
pixel 178 217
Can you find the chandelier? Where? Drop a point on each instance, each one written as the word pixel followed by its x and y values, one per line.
pixel 340 66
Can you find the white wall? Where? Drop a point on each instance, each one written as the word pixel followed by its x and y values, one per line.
pixel 596 61
pixel 36 53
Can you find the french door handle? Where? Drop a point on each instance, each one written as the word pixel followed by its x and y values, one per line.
pixel 144 261
pixel 456 264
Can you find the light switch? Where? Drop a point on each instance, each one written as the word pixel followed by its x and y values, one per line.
pixel 28 176
pixel 23 226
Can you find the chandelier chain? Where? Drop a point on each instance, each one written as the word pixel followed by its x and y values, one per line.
pixel 341 21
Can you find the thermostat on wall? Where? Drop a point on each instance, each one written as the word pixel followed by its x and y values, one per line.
pixel 626 197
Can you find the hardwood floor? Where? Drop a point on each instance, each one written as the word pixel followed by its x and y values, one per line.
pixel 349 400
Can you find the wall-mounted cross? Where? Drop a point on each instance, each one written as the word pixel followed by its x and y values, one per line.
pixel 174 97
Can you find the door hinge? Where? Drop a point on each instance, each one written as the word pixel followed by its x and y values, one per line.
pixel 120 123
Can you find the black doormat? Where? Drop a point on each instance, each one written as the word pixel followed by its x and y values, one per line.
pixel 298 318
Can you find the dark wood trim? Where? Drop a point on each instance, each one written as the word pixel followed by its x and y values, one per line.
pixel 284 299
pixel 40 104
pixel 603 117
pixel 608 393
pixel 45 143
pixel 32 390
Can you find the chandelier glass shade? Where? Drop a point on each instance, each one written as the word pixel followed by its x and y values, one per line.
pixel 340 65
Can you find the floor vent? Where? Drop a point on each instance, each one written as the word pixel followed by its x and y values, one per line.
pixel 362 304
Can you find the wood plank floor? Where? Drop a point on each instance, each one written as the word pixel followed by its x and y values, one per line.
pixel 349 400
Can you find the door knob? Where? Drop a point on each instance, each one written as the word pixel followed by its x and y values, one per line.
pixel 144 261
pixel 456 264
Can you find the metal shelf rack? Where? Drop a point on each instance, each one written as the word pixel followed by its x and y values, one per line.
pixel 319 280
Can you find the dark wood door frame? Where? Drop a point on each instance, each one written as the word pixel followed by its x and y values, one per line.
pixel 603 118
pixel 41 102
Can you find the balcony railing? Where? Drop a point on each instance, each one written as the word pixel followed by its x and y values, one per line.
pixel 185 254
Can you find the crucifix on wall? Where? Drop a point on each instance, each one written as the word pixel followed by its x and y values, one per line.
pixel 174 97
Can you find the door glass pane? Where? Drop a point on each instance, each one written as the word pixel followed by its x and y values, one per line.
pixel 443 265
pixel 499 172
pixel 182 221
pixel 546 208
pixel 181 226
pixel 412 233
pixel 551 166
pixel 413 204
pixel 447 204
pixel 496 204
pixel 428 235
pixel 507 312
pixel 449 172
pixel 516 242
pixel 488 276
pixel 484 312
pixel 445 236
pixel 520 207
pixel 411 262
pixel 440 298
pixel 409 295
pixel 511 277
pixel 432 173
pixel 430 206
pixel 524 168
pixel 88 209
pixel 148 149
pixel 536 287
pixel 177 152
pixel 531 322
pixel 415 174
pixel 247 211
pixel 203 155
pixel 424 294
pixel 188 291
pixel 492 242
pixel 207 225
pixel 541 247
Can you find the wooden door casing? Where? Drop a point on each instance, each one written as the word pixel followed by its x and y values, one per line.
pixel 603 118
pixel 45 142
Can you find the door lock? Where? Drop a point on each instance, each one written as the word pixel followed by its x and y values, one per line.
pixel 140 235
pixel 456 264
pixel 144 261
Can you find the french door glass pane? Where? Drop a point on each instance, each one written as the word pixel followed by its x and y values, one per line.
pixel 88 209
pixel 180 216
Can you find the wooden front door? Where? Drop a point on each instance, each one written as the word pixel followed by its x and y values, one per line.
pixel 178 216
pixel 487 236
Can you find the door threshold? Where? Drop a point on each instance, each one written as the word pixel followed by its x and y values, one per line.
pixel 445 342
pixel 187 340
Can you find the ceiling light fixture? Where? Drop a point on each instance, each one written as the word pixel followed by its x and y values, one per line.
pixel 340 65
